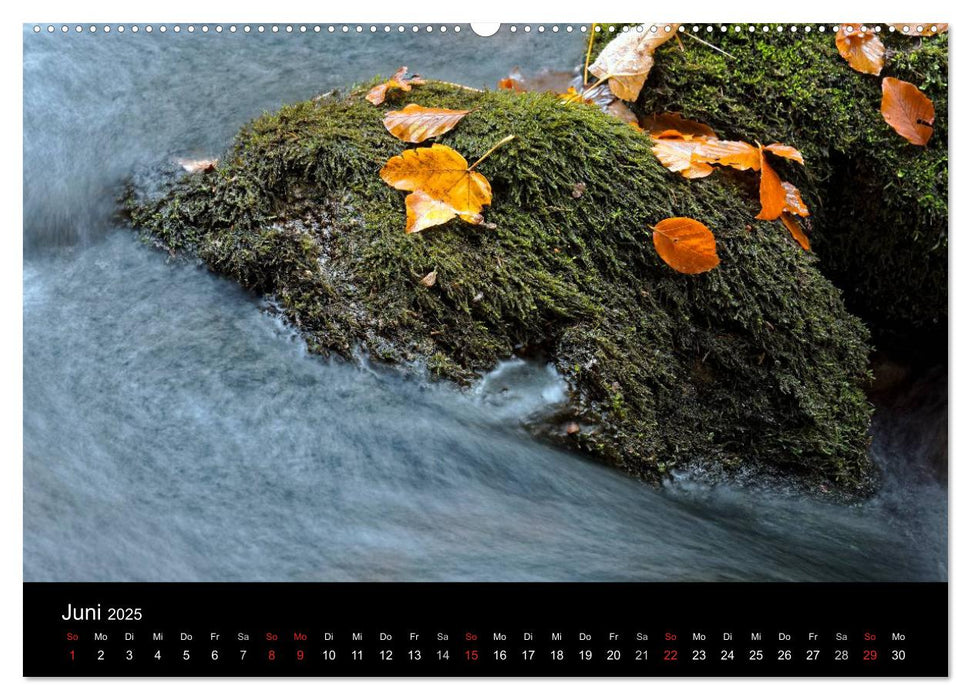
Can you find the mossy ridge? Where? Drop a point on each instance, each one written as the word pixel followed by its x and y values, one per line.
pixel 879 203
pixel 757 359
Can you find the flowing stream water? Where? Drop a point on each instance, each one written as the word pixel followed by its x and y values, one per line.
pixel 176 430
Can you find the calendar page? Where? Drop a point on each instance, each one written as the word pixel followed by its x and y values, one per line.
pixel 536 349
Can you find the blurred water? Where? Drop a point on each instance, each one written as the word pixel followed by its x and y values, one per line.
pixel 175 430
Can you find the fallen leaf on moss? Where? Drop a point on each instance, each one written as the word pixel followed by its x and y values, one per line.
pixel 430 279
pixel 907 110
pixel 863 50
pixel 627 60
pixel 415 123
pixel 671 124
pixel 771 193
pixel 733 154
pixel 398 81
pixel 686 245
pixel 795 229
pixel 794 203
pixel 442 183
pixel 424 211
pixel 784 151
pixel 676 154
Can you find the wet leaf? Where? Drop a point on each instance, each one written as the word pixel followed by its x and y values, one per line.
pixel 423 211
pixel 398 81
pixel 628 59
pixel 734 154
pixel 862 50
pixel 415 124
pixel 907 110
pixel 686 245
pixel 677 154
pixel 443 185
pixel 771 193
pixel 784 151
pixel 672 123
pixel 430 279
pixel 796 230
pixel 794 203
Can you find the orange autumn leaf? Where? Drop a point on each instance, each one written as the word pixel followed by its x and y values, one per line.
pixel 794 203
pixel 442 183
pixel 415 124
pixel 907 110
pixel 676 154
pixel 734 154
pixel 514 81
pixel 863 50
pixel 424 211
pixel 670 123
pixel 796 230
pixel 377 94
pixel 626 61
pixel 686 245
pixel 784 151
pixel 771 192
pixel 571 95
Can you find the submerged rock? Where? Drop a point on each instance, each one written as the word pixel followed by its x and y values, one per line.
pixel 757 360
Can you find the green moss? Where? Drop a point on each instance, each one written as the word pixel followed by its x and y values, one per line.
pixel 756 360
pixel 879 203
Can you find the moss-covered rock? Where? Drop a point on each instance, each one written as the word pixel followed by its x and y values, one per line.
pixel 757 360
pixel 879 203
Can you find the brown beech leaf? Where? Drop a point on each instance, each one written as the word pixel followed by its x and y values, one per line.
pixel 796 230
pixel 397 81
pixel 442 183
pixel 626 61
pixel 430 279
pixel 677 156
pixel 670 123
pixel 862 50
pixel 686 245
pixel 415 124
pixel 784 151
pixel 921 28
pixel 794 203
pixel 771 193
pixel 734 154
pixel 907 110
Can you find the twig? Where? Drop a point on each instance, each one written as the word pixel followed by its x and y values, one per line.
pixel 490 151
pixel 710 46
pixel 586 62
